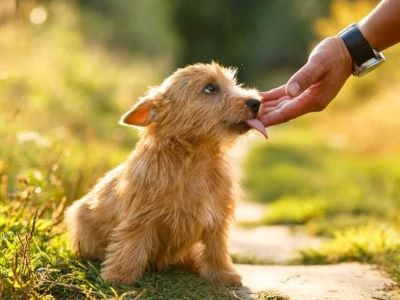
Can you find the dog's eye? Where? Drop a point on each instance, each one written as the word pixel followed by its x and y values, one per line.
pixel 211 89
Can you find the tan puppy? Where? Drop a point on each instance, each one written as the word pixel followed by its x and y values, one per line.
pixel 172 200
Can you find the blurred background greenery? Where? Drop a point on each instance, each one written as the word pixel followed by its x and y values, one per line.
pixel 69 69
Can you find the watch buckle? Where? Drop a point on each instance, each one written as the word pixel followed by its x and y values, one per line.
pixel 369 65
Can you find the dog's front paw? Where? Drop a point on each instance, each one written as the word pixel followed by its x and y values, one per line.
pixel 225 277
pixel 118 277
pixel 230 278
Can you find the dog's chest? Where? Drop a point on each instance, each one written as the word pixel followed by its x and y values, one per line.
pixel 210 214
pixel 195 215
pixel 203 200
pixel 212 191
pixel 193 196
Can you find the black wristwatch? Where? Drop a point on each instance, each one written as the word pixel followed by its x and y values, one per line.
pixel 364 57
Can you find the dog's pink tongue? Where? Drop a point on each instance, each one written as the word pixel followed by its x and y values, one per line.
pixel 257 125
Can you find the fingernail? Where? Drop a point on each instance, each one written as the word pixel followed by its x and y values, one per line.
pixel 293 89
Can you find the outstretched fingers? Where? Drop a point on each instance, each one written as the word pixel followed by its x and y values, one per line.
pixel 287 108
pixel 285 111
pixel 273 95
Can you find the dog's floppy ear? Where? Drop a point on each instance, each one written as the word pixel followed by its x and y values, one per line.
pixel 142 114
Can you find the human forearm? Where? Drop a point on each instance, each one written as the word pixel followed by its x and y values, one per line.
pixel 382 26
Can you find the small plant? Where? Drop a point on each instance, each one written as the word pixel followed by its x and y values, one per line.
pixel 295 211
pixel 372 243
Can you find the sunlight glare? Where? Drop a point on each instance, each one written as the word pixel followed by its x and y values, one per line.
pixel 38 15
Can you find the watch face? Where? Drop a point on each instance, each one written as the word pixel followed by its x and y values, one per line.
pixel 369 65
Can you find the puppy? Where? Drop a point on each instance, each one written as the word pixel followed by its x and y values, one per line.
pixel 172 201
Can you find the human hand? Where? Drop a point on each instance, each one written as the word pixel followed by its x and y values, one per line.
pixel 311 88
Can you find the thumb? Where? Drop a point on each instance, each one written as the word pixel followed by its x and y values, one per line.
pixel 308 75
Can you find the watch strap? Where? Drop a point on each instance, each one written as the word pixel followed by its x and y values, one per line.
pixel 359 48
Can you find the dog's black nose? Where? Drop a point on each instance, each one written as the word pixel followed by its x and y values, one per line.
pixel 253 104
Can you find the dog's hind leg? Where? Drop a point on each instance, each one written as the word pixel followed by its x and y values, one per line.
pixel 85 237
pixel 128 253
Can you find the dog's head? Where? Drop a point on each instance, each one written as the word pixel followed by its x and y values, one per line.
pixel 199 101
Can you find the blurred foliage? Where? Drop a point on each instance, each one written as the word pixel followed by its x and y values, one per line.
pixel 260 37
pixel 51 69
pixel 61 98
pixel 232 32
pixel 257 36
pixel 144 27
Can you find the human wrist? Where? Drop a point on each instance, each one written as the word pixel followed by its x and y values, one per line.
pixel 344 54
pixel 365 58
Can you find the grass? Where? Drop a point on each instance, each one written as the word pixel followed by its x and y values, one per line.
pixel 291 211
pixel 372 243
pixel 47 268
pixel 250 260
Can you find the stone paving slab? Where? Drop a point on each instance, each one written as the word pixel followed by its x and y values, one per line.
pixel 346 281
pixel 274 244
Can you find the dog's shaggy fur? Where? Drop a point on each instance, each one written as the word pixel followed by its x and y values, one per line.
pixel 171 202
